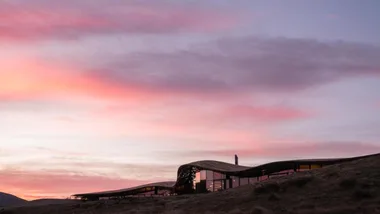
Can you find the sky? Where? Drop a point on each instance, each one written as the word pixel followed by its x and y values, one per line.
pixel 109 94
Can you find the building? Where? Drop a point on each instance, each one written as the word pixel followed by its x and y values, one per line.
pixel 159 188
pixel 210 176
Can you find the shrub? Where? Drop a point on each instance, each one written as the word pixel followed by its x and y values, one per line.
pixel 267 188
pixel 363 193
pixel 300 181
pixel 348 183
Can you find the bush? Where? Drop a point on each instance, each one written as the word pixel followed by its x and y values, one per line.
pixel 267 188
pixel 348 183
pixel 363 193
pixel 300 181
pixel 260 210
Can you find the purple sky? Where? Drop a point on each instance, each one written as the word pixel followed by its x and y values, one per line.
pixel 102 94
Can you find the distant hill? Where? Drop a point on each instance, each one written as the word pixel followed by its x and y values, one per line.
pixel 9 200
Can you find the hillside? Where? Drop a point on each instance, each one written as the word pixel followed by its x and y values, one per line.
pixel 9 200
pixel 352 187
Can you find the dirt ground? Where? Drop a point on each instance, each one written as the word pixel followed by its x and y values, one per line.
pixel 347 188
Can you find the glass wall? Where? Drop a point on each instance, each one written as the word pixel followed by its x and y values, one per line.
pixel 210 181
pixel 203 174
pixel 209 175
pixel 219 176
pixel 218 185
pixel 243 181
pixel 235 181
pixel 252 180
pixel 210 185
pixel 303 168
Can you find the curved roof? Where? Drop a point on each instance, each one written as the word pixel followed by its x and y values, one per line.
pixel 217 166
pixel 245 171
pixel 129 191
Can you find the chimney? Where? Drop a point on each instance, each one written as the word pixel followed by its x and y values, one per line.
pixel 236 160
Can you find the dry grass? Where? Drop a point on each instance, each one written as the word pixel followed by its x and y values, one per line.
pixel 345 188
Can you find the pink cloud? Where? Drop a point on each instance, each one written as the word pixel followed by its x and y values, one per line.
pixel 44 20
pixel 296 150
pixel 267 65
pixel 246 64
pixel 32 185
pixel 217 122
pixel 268 113
pixel 34 79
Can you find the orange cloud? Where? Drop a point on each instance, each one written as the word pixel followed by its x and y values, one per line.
pixel 31 79
pixel 25 79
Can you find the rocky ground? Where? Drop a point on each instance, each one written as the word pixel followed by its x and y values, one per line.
pixel 346 188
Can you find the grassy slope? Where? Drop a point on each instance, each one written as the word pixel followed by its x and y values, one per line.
pixel 9 200
pixel 345 188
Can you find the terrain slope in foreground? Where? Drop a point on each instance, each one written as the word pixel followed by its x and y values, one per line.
pixel 9 200
pixel 351 187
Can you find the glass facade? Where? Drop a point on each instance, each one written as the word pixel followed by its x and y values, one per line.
pixel 219 176
pixel 210 181
pixel 252 180
pixel 209 175
pixel 235 181
pixel 210 185
pixel 203 175
pixel 243 181
pixel 218 185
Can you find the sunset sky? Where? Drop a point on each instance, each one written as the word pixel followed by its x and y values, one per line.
pixel 108 94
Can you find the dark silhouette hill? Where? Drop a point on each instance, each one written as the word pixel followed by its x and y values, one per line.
pixel 351 187
pixel 10 200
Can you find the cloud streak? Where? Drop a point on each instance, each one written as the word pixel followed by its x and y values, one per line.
pixel 245 64
pixel 38 80
pixel 43 20
pixel 293 151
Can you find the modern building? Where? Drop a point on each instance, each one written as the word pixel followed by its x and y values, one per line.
pixel 210 176
pixel 159 188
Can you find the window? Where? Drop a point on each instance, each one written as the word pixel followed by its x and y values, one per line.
pixel 243 181
pixel 218 185
pixel 209 175
pixel 203 175
pixel 303 168
pixel 197 177
pixel 219 176
pixel 252 180
pixel 210 185
pixel 235 181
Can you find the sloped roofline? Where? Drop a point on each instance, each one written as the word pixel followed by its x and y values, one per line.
pixel 255 171
pixel 163 185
